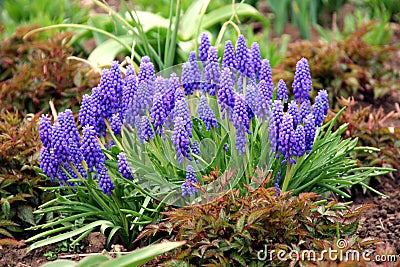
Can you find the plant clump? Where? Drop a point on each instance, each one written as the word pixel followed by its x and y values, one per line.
pixel 250 230
pixel 36 70
pixel 346 67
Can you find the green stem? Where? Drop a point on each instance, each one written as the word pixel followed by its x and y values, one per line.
pixel 244 85
pixel 289 171
pixel 79 26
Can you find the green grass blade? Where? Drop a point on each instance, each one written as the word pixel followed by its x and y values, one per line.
pixel 64 236
pixel 79 26
pixel 142 255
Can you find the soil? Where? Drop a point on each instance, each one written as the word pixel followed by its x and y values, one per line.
pixel 382 221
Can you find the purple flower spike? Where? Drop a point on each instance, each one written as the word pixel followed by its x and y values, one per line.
pixel 256 58
pixel 275 123
pixel 264 101
pixel 240 117
pixel 146 72
pixel 309 129
pixel 286 136
pixel 104 180
pixel 91 149
pixel 305 109
pixel 116 124
pixel 229 60
pixel 74 152
pixel 180 139
pixel 144 129
pixel 195 68
pixel 302 81
pixel 299 147
pixel 97 120
pixel 158 114
pixel 175 88
pixel 266 74
pixel 116 79
pixel 204 46
pixel 195 146
pixel 188 79
pixel 67 122
pixel 206 114
pixel 241 141
pixel 47 164
pixel 123 167
pixel 63 177
pixel 129 89
pixel 85 113
pixel 212 71
pixel 142 101
pixel 293 110
pixel 108 99
pixel 251 98
pixel 241 121
pixel 59 144
pixel 321 107
pixel 242 55
pixel 250 71
pixel 45 130
pixel 282 91
pixel 182 110
pixel 226 93
pixel 187 188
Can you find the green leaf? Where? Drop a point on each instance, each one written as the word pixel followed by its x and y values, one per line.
pixel 93 261
pixel 240 223
pixel 5 232
pixel 5 207
pixel 280 9
pixel 25 213
pixel 238 258
pixel 142 255
pixel 224 13
pixel 60 263
pixel 148 20
pixel 191 19
pixel 67 235
pixel 106 52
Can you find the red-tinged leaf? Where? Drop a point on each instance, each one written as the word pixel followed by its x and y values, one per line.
pixel 11 242
pixel 240 223
pixel 255 215
pixel 368 241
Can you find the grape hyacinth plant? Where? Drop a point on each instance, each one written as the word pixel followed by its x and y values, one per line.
pixel 187 140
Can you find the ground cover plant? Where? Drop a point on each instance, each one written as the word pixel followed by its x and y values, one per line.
pixel 250 230
pixel 19 184
pixel 149 140
pixel 346 67
pixel 24 61
pixel 376 128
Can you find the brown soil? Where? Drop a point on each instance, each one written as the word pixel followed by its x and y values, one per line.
pixel 383 221
pixel 17 257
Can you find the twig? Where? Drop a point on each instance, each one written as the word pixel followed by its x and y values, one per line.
pixel 90 254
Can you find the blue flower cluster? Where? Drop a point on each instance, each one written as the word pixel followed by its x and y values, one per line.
pixel 66 154
pixel 206 114
pixel 187 188
pixel 123 166
pixel 154 106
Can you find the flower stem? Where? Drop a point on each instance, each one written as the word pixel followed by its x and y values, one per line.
pixel 289 171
